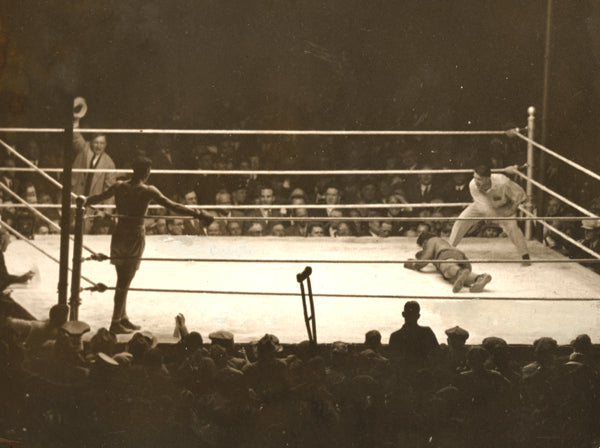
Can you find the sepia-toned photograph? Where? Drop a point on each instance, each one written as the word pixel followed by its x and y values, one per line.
pixel 300 223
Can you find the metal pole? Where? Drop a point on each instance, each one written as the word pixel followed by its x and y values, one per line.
pixel 529 190
pixel 546 74
pixel 544 134
pixel 77 252
pixel 65 221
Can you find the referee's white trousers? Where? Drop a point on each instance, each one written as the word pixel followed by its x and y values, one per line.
pixel 460 228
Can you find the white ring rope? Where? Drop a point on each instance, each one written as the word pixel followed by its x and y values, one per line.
pixel 369 296
pixel 257 172
pixel 559 157
pixel 35 130
pixel 101 257
pixel 557 195
pixel 252 131
pixel 25 239
pixel 362 218
pixel 563 235
pixel 37 206
pixel 33 207
pixel 25 204
pixel 31 165
pixel 275 206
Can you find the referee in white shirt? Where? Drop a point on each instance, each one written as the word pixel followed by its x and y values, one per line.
pixel 493 195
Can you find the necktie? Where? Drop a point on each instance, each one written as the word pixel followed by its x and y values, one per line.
pixel 89 176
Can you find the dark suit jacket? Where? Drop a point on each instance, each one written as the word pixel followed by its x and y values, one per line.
pixel 266 223
pixel 296 230
pixel 413 192
pixel 192 227
pixel 413 344
pixel 166 183
pixel 450 194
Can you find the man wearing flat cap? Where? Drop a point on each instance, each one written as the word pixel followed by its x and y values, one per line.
pixel 224 339
pixel 455 353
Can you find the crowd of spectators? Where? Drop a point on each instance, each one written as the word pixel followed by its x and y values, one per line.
pixel 59 391
pixel 292 196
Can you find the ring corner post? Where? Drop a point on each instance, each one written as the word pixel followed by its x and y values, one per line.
pixel 530 167
pixel 75 301
pixel 65 221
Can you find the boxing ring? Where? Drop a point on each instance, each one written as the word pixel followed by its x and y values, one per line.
pixel 373 295
pixel 247 285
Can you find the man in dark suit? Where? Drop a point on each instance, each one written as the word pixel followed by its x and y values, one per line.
pixel 413 345
pixel 298 228
pixel 8 177
pixel 163 159
pixel 424 188
pixel 191 226
pixel 266 197
pixel 332 198
pixel 457 190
